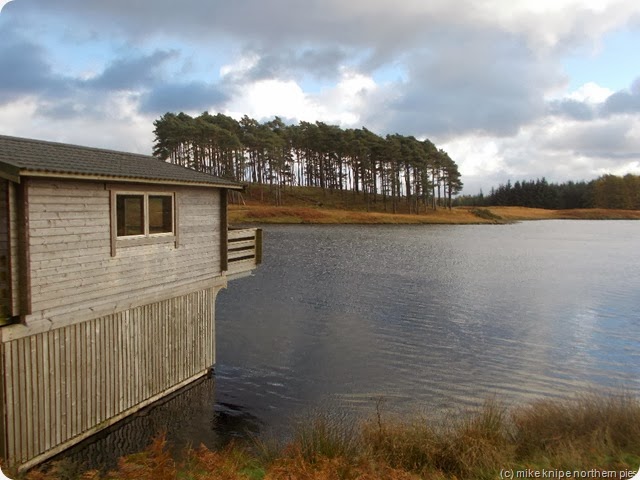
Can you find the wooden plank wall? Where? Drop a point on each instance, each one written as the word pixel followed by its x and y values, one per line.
pixel 14 248
pixel 65 382
pixel 71 264
pixel 5 278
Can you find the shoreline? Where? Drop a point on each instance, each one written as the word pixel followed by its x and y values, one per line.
pixel 296 214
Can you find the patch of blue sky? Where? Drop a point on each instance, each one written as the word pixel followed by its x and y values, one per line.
pixel 71 51
pixel 390 74
pixel 79 61
pixel 384 75
pixel 197 61
pixel 612 64
pixel 92 56
pixel 313 85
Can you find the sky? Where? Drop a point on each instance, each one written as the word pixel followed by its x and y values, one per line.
pixel 518 89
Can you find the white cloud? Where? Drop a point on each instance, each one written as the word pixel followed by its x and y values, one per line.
pixel 337 104
pixel 240 67
pixel 559 150
pixel 16 117
pixel 590 92
pixel 480 156
pixel 115 124
pixel 343 103
pixel 629 167
pixel 558 24
pixel 267 98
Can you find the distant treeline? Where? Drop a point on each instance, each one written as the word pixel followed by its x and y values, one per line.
pixel 396 167
pixel 608 191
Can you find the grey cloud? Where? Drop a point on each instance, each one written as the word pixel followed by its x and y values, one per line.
pixel 320 62
pixel 276 24
pixel 194 96
pixel 476 81
pixel 386 27
pixel 624 101
pixel 129 73
pixel 61 110
pixel 573 109
pixel 188 18
pixel 24 69
pixel 605 139
pixel 82 104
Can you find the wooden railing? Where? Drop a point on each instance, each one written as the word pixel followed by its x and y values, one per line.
pixel 244 250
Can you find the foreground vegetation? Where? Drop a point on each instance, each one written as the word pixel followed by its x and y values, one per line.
pixel 590 432
pixel 312 205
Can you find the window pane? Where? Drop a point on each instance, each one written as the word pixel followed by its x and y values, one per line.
pixel 160 214
pixel 130 214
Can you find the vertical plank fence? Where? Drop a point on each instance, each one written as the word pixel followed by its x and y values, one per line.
pixel 65 384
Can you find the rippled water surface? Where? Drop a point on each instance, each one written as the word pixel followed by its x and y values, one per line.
pixel 431 316
pixel 424 317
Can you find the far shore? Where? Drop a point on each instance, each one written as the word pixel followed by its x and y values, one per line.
pixel 298 214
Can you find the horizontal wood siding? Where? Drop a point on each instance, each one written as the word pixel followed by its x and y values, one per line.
pixel 5 277
pixel 244 247
pixel 65 383
pixel 70 247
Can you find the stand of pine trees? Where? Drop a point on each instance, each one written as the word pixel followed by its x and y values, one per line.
pixel 394 168
pixel 608 191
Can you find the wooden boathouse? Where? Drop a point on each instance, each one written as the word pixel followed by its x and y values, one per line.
pixel 110 264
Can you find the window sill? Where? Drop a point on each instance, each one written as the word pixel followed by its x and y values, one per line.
pixel 152 240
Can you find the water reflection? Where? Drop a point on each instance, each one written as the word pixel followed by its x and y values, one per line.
pixel 188 418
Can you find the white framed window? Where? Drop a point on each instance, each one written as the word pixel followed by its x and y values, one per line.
pixel 142 218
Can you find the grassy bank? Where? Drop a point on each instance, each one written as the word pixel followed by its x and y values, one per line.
pixel 592 432
pixel 312 205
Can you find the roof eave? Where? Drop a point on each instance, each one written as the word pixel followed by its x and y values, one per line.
pixel 114 178
pixel 9 172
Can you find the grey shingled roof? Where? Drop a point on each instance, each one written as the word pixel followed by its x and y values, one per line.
pixel 28 157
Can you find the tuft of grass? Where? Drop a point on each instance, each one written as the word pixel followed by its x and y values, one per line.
pixel 477 445
pixel 231 463
pixel 324 437
pixel 486 214
pixel 470 446
pixel 575 432
pixel 409 446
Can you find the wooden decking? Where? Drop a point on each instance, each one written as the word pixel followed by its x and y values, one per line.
pixel 244 247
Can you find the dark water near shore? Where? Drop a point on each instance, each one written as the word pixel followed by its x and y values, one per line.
pixel 426 318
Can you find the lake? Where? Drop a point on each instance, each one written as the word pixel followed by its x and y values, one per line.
pixel 420 318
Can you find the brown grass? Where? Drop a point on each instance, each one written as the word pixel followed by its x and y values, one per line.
pixel 524 213
pixel 569 433
pixel 311 205
pixel 467 447
pixel 456 216
pixel 272 214
pixel 585 433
